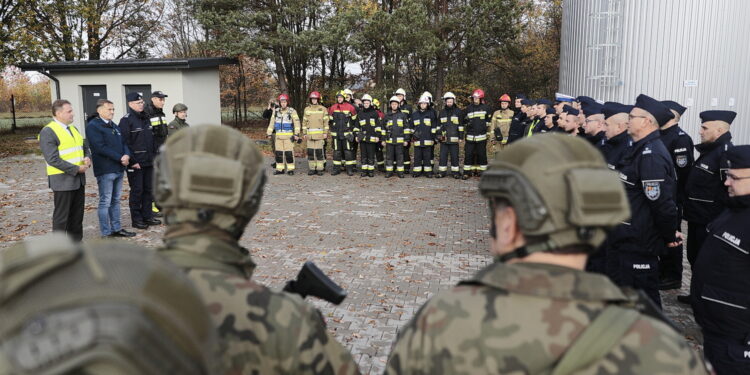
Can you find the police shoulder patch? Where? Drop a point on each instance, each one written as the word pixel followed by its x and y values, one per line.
pixel 652 189
pixel 681 161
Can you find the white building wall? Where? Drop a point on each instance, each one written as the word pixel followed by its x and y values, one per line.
pixel 168 81
pixel 201 93
pixel 690 51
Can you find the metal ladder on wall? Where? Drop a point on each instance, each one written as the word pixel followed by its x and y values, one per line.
pixel 604 44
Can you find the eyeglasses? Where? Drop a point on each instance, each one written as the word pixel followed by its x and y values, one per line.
pixel 735 177
pixel 631 117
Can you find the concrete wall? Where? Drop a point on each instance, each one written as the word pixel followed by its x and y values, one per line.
pixel 198 89
pixel 690 51
pixel 201 93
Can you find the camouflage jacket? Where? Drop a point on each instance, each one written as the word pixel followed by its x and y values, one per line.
pixel 520 318
pixel 262 331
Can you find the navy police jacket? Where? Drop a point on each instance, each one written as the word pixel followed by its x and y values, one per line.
pixel 615 149
pixel 680 147
pixel 649 179
pixel 705 190
pixel 720 286
pixel 136 130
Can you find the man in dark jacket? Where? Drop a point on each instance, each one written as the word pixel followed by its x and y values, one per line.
pixel 706 194
pixel 110 156
pixel 136 129
pixel 157 118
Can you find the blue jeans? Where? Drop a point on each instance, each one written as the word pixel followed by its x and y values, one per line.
pixel 110 188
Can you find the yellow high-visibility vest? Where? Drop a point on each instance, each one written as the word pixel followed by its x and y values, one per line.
pixel 70 147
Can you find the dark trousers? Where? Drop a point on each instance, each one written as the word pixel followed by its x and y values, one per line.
pixel 696 236
pixel 638 271
pixel 68 213
pixel 343 153
pixel 423 156
pixel 476 156
pixel 394 153
pixel 141 193
pixel 368 156
pixel 379 157
pixel 407 157
pixel 452 150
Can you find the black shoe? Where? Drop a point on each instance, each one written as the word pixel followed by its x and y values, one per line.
pixel 416 174
pixel 477 173
pixel 122 233
pixel 388 174
pixel 465 176
pixel 335 172
pixel 158 214
pixel 363 174
pixel 440 175
pixel 400 175
pixel 275 172
pixel 291 173
pixel 684 299
pixel 320 173
pixel 371 174
pixel 140 225
pixel 668 284
pixel 457 176
pixel 152 222
pixel 429 175
pixel 311 172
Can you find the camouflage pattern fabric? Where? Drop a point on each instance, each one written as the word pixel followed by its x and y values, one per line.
pixel 261 331
pixel 520 318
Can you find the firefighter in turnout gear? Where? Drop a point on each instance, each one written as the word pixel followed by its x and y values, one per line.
pixel 379 158
pixel 477 122
pixel 501 120
pixel 368 135
pixel 155 113
pixel 424 123
pixel 395 130
pixel 342 117
pixel 450 133
pixel 315 130
pixel 285 125
pixel 406 109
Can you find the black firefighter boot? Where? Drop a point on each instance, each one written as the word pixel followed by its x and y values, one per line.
pixel 400 174
pixel 388 174
pixel 416 174
pixel 350 170
pixel 311 172
pixel 456 175
pixel 336 170
pixel 428 174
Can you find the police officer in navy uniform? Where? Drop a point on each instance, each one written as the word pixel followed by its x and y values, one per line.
pixel 680 147
pixel 649 178
pixel 520 119
pixel 136 129
pixel 720 286
pixel 594 123
pixel 617 140
pixel 705 190
pixel 614 146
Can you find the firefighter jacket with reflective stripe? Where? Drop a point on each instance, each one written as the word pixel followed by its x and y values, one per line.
pixel 501 119
pixel 158 121
pixel 369 121
pixel 315 122
pixel 284 122
pixel 478 118
pixel 341 119
pixel 70 147
pixel 425 125
pixel 451 124
pixel 396 127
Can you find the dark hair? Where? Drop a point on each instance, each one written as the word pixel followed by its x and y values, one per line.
pixel 102 102
pixel 57 105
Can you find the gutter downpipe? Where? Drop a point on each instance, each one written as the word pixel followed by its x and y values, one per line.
pixel 57 82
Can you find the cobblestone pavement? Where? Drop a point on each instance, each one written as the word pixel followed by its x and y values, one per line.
pixel 390 243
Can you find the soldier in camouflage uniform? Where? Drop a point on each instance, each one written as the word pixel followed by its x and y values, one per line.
pixel 534 310
pixel 210 183
pixel 104 307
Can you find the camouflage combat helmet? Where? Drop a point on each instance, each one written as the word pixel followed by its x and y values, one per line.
pixel 102 307
pixel 210 175
pixel 561 189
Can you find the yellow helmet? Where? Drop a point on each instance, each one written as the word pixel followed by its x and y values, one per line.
pixel 341 93
pixel 376 103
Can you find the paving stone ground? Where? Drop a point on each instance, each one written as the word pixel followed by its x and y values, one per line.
pixel 391 243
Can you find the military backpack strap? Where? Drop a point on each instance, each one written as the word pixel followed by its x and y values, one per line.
pixel 186 259
pixel 597 339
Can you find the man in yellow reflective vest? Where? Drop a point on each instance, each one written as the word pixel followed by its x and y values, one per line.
pixel 67 159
